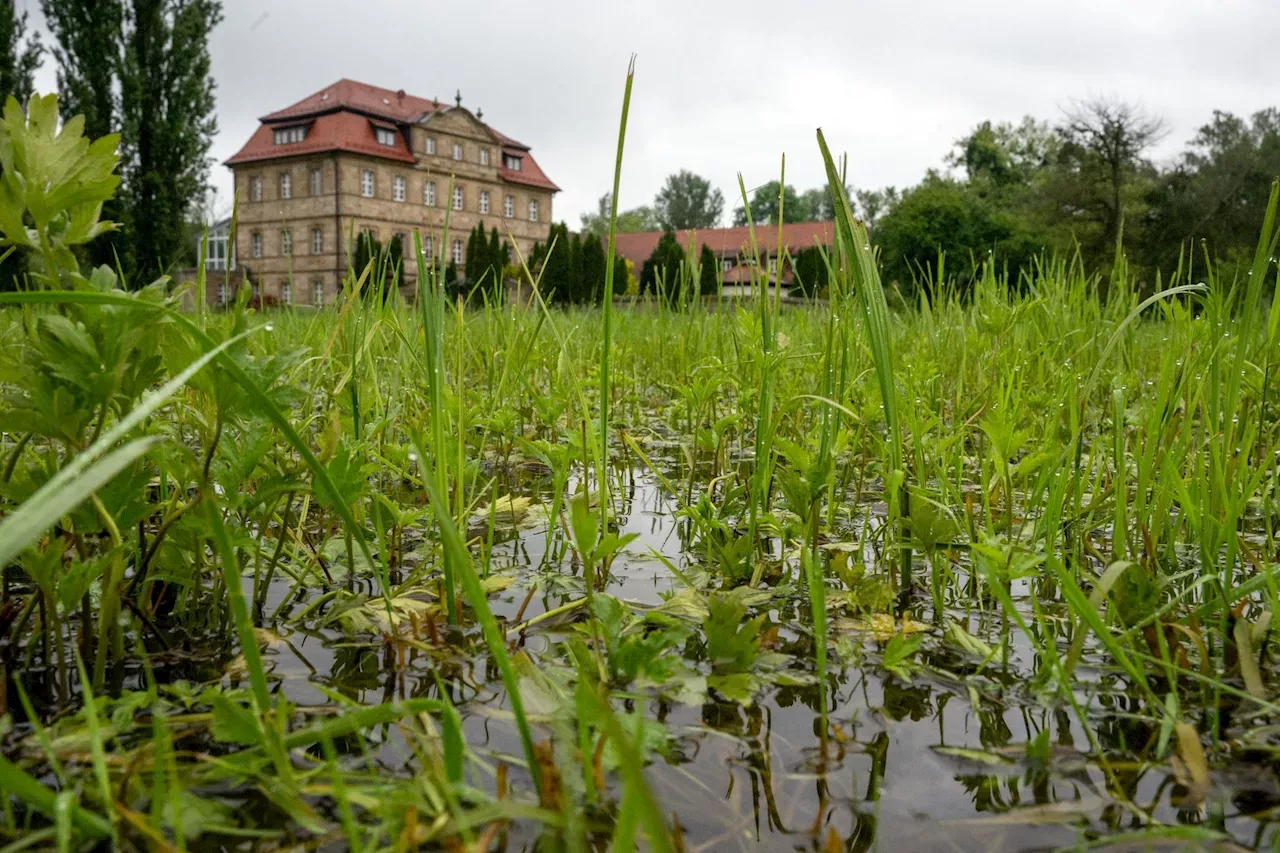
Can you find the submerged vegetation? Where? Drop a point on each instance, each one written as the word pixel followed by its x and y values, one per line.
pixel 981 572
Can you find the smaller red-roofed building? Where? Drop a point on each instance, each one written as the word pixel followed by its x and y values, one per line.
pixel 354 157
pixel 735 251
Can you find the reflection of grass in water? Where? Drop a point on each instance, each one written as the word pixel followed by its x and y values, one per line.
pixel 1085 468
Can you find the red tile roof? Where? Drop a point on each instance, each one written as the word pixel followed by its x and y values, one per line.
pixel 731 241
pixel 340 117
pixel 340 131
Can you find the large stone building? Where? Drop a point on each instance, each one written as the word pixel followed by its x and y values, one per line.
pixel 354 157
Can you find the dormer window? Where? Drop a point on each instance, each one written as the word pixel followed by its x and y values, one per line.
pixel 289 135
pixel 385 136
pixel 511 161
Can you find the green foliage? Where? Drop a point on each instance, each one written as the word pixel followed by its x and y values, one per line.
pixel 764 206
pixel 945 217
pixel 733 640
pixel 687 200
pixel 141 68
pixel 810 273
pixel 708 272
pixel 664 266
pixel 632 221
pixel 19 54
pixel 53 183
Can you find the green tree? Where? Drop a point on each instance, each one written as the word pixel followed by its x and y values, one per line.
pixel 634 221
pixel 663 266
pixel 708 273
pixel 809 271
pixel 577 288
pixel 946 216
pixel 557 268
pixel 687 200
pixel 764 206
pixel 1006 154
pixel 1216 192
pixel 1101 170
pixel 142 67
pixel 19 54
pixel 593 267
pixel 88 46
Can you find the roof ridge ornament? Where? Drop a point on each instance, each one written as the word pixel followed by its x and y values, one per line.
pixel 458 98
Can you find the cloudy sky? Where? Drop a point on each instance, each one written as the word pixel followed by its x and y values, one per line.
pixel 727 87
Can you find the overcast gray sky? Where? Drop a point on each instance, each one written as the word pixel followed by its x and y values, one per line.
pixel 723 87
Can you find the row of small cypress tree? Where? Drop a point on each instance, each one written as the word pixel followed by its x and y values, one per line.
pixel 573 267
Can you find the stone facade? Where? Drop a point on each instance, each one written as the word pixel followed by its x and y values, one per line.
pixel 298 214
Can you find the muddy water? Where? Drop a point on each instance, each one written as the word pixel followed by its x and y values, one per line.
pixel 939 762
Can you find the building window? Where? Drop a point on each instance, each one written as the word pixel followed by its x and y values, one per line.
pixel 399 188
pixel 317 293
pixel 366 183
pixel 533 210
pixel 286 292
pixel 287 135
pixel 426 247
pixel 224 293
pixel 317 241
pixel 255 188
pixel 773 264
pixel 286 185
pixel 403 238
pixel 484 156
pixel 509 206
pixel 484 201
pixel 255 243
pixel 726 264
pixel 457 251
pixel 286 242
pixel 457 198
pixel 257 292
pixel 511 161
pixel 317 182
pixel 431 145
pixel 385 136
pixel 429 193
pixel 457 150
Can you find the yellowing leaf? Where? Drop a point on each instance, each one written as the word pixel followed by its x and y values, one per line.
pixel 880 626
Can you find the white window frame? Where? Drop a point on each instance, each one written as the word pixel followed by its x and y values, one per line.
pixel 459 198
pixel 286 292
pixel 429 193
pixel 484 156
pixel 290 135
pixel 457 150
pixel 457 251
pixel 726 264
pixel 509 206
pixel 533 210
pixel 426 247
pixel 317 182
pixel 255 244
pixel 385 136
pixel 255 188
pixel 317 293
pixel 431 145
pixel 286 185
pixel 224 292
pixel 286 242
pixel 317 240
pixel 368 183
pixel 512 162
pixel 773 264
pixel 484 201
pixel 399 188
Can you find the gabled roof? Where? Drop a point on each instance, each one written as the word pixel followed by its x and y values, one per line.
pixel 731 242
pixel 340 117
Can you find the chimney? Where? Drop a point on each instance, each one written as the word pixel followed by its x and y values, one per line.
pixel 400 95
